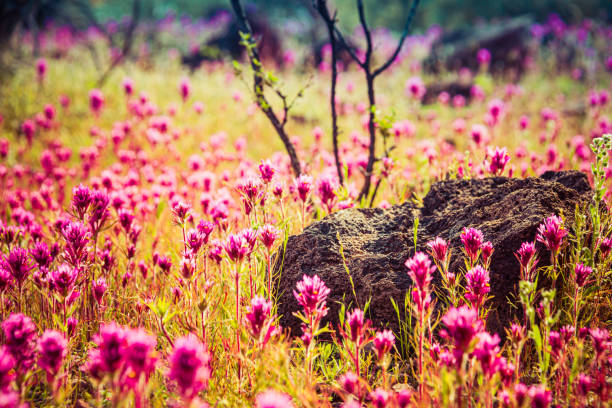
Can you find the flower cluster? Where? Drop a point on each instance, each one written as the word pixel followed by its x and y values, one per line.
pixel 146 227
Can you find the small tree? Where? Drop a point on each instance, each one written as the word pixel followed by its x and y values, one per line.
pixel 337 38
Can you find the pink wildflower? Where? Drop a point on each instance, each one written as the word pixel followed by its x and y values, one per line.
pixel 420 270
pixel 81 199
pixel 51 351
pixel 99 288
pixel 128 86
pixel 96 101
pixel 190 366
pixel 7 364
pixel 18 264
pixel 581 274
pixel 28 128
pixel 20 338
pixel 41 68
pixel 486 251
pixel 268 234
pixel 472 240
pixel 605 246
pixel 483 56
pixel 439 249
pixel 477 285
pixel 380 398
pixel 326 187
pixel 63 278
pixel 266 171
pixel 479 134
pixel 111 341
pixel 526 257
pixel 349 382
pixel 236 247
pixel 311 294
pixel 355 321
pixel 551 233
pixel 383 343
pixel 540 396
pixel 462 325
pixel 303 185
pixel 181 212
pixel 184 89
pixel 487 353
pixel 415 88
pixel 499 159
pixel 258 314
pixel 273 399
pixel 140 354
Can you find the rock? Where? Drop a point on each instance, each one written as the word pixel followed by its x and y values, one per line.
pixel 377 242
pixel 507 41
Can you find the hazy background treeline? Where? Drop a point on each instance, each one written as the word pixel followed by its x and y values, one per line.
pixel 389 13
pixel 449 14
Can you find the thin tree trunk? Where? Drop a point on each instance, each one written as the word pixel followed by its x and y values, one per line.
pixel 365 191
pixel 330 22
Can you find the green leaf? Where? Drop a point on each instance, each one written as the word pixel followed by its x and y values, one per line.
pixel 169 316
pixel 415 230
pixel 537 337
pixel 160 208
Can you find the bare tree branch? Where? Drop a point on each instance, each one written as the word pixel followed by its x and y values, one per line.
pixel 366 32
pixel 347 47
pixel 258 88
pixel 411 14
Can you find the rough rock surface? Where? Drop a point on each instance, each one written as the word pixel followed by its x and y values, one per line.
pixel 377 242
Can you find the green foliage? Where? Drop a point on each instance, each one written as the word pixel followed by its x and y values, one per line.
pixel 600 147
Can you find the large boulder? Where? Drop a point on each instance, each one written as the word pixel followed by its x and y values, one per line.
pixel 377 242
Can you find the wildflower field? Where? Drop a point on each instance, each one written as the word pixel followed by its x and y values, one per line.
pixel 144 218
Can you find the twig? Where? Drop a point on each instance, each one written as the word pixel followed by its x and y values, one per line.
pixel 366 31
pixel 400 44
pixel 347 47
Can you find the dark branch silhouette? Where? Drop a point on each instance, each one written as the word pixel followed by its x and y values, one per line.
pixel 400 44
pixel 259 84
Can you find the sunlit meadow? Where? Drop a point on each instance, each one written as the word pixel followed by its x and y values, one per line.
pixel 141 220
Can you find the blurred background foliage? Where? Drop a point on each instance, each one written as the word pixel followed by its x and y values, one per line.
pixel 450 14
pixel 389 13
